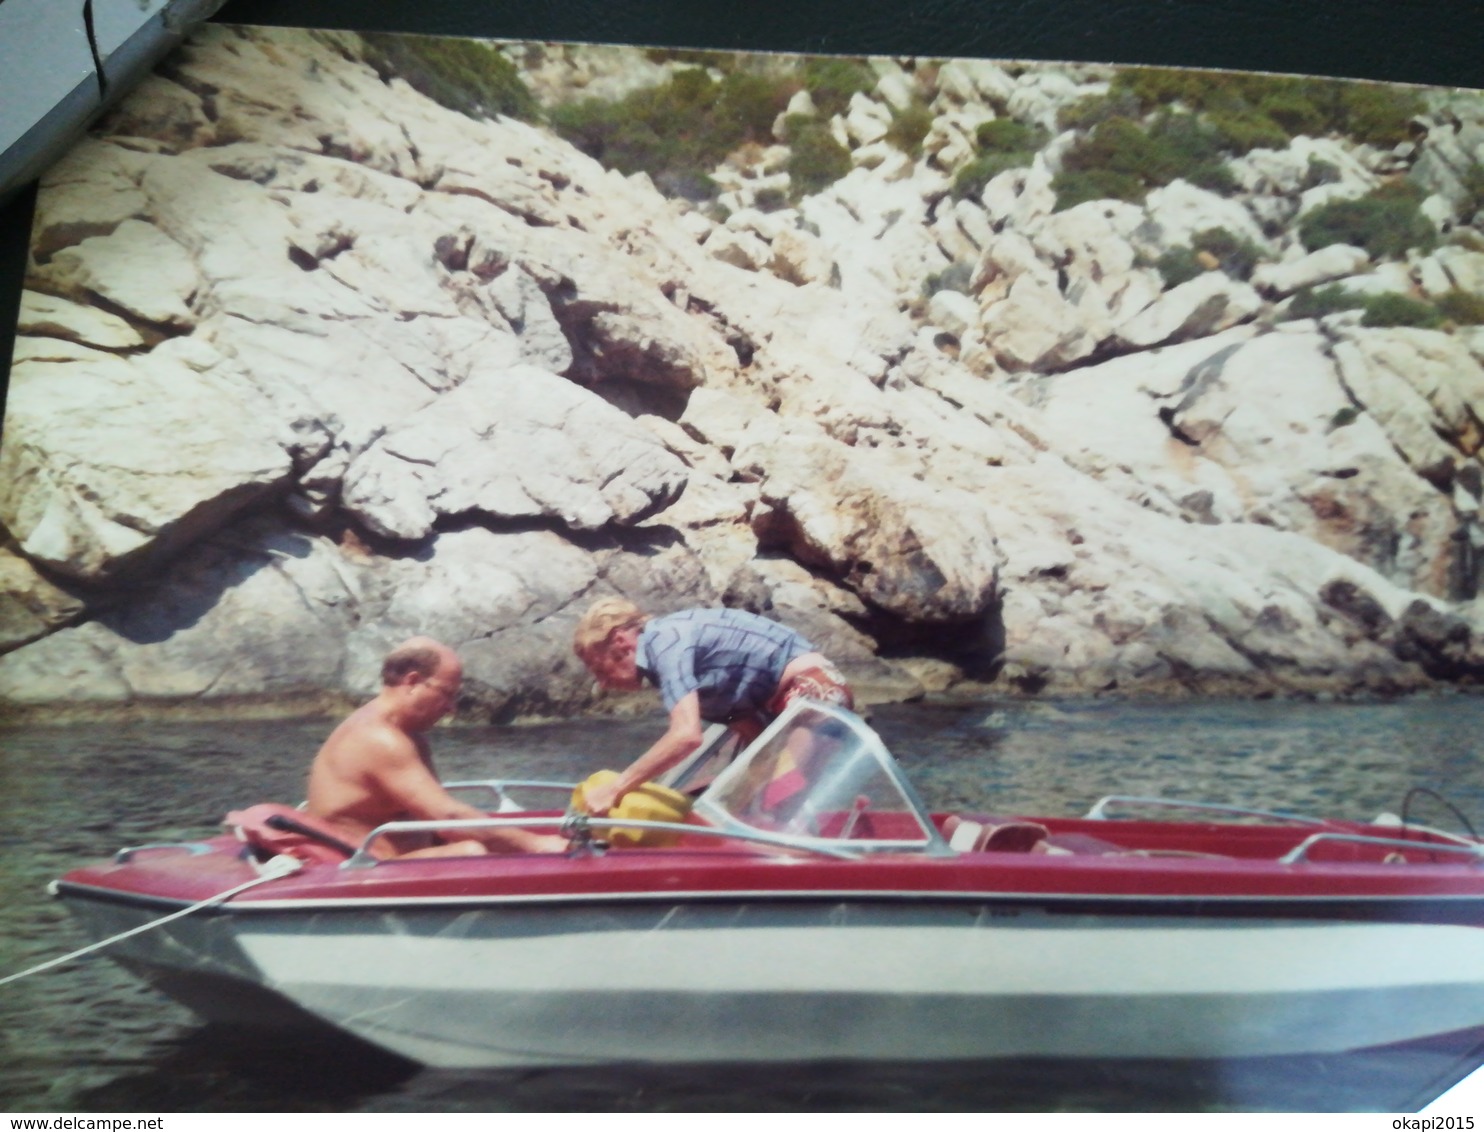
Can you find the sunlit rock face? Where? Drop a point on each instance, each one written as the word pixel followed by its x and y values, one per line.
pixel 309 364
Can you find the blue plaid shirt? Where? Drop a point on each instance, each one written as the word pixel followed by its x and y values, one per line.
pixel 733 659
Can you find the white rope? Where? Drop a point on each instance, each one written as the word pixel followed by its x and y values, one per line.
pixel 280 866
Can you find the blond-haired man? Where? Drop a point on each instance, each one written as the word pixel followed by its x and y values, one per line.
pixel 377 767
pixel 717 665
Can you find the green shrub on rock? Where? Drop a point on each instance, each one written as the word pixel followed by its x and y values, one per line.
pixel 1292 110
pixel 1267 110
pixel 1093 110
pixel 1111 162
pixel 832 81
pixel 1003 143
pixel 1163 86
pixel 816 160
pixel 1209 250
pixel 465 75
pixel 1386 309
pixel 1400 310
pixel 1473 185
pixel 678 131
pixel 1189 149
pixel 969 181
pixel 1236 255
pixel 1386 223
pixel 1462 307
pixel 748 104
pixel 690 56
pixel 1245 130
pixel 1378 113
pixel 1180 265
pixel 909 127
pixel 1122 160
pixel 1008 135
pixel 1317 302
pixel 1079 186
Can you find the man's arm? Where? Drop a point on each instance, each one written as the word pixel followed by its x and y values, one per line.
pixel 400 774
pixel 682 737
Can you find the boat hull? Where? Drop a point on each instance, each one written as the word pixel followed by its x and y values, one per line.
pixel 844 976
pixel 195 960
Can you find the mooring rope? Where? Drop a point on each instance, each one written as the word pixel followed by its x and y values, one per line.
pixel 275 868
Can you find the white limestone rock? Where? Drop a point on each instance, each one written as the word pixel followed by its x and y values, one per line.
pixel 519 298
pixel 1425 384
pixel 1322 266
pixel 1017 198
pixel 111 463
pixel 137 268
pixel 1179 211
pixel 974 80
pixel 801 258
pixel 1205 305
pixel 896 89
pixel 516 443
pixel 920 552
pixel 432 327
pixel 1035 328
pixel 1390 278
pixel 51 317
pixel 739 249
pixel 1465 268
pixel 88 192
pixel 866 120
pixel 954 311
pixel 31 606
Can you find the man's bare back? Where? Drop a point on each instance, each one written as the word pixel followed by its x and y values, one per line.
pixel 376 766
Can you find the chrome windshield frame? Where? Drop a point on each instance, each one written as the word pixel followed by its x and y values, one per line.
pixel 931 844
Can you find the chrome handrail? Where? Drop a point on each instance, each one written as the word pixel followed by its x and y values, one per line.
pixel 194 848
pixel 1097 812
pixel 1413 827
pixel 364 858
pixel 1301 851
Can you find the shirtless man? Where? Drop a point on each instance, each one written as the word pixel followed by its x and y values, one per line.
pixel 376 766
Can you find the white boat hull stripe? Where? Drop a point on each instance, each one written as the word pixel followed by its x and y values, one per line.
pixel 917 959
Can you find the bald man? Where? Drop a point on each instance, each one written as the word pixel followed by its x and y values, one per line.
pixel 376 766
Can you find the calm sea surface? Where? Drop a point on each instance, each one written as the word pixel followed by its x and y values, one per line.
pixel 90 1038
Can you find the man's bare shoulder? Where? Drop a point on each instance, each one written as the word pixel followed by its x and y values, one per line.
pixel 368 736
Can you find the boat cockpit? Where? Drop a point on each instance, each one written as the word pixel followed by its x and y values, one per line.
pixel 818 780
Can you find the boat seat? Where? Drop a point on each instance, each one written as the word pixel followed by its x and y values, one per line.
pixel 982 834
pixel 271 829
pixel 969 836
pixel 1085 845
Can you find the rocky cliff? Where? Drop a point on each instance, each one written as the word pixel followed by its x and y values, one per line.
pixel 309 363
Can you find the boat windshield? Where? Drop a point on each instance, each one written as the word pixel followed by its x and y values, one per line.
pixel 820 774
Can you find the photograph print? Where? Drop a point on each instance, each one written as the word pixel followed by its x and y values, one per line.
pixel 1112 430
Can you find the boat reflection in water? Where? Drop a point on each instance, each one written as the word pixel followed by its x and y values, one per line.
pixel 810 908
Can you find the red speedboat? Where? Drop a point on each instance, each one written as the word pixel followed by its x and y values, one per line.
pixel 810 907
